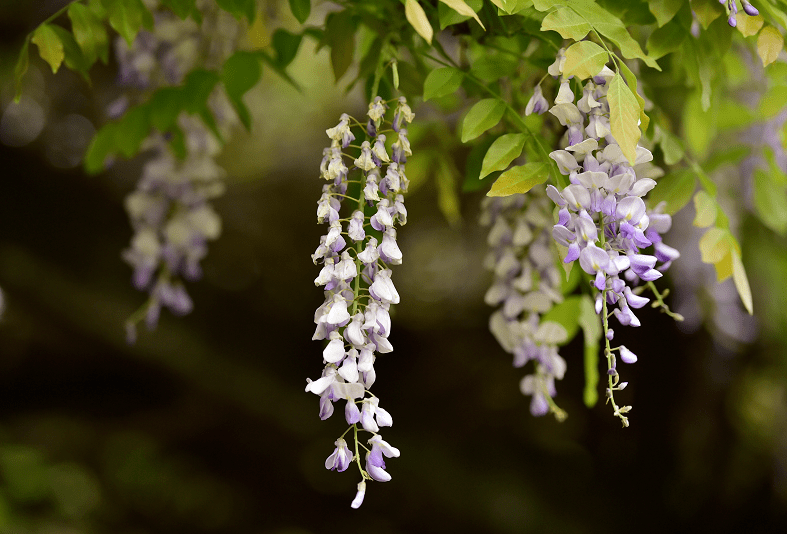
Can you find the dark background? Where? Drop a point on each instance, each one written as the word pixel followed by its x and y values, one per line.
pixel 203 425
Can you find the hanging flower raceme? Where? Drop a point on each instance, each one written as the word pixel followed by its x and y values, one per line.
pixel 526 285
pixel 356 254
pixel 170 209
pixel 602 219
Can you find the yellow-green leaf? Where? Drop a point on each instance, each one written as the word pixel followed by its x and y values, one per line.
pixel 741 282
pixel 484 115
pixel 706 208
pixel 441 82
pixel 666 39
pixel 503 151
pixel 584 60
pixel 631 81
pixel 417 19
pixel 567 23
pixel 623 117
pixel 714 245
pixel 747 24
pixel 49 46
pixel 769 44
pixel 89 32
pixel 675 189
pixel 519 179
pixel 461 7
pixel 706 11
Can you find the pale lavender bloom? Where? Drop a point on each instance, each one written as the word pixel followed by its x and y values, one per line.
pixel 355 228
pixel 358 500
pixel 626 355
pixel 340 458
pixel 537 103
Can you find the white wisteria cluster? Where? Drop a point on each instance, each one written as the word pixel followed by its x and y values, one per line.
pixel 357 253
pixel 602 220
pixel 170 209
pixel 526 285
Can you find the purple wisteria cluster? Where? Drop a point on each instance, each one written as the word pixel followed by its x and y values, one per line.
pixel 356 255
pixel 170 209
pixel 602 220
pixel 526 285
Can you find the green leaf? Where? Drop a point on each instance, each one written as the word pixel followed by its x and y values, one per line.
pixel 49 46
pixel 666 39
pixel 286 45
pixel 127 17
pixel 340 36
pixel 417 18
pixel 706 11
pixel 461 7
pixel 770 200
pixel 584 59
pixel 567 23
pixel 519 179
pixel 706 208
pixel 240 73
pixel 566 314
pixel 664 10
pixel 239 8
pixel 631 81
pixel 675 189
pixel 741 282
pixel 623 117
pixel 165 106
pixel 671 146
pixel 591 328
pixel 181 8
pixel 494 67
pixel 714 245
pixel 482 116
pixel 301 9
pixel 447 177
pixel 89 32
pixel 699 127
pixel 74 58
pixel 769 45
pixel 503 151
pixel 21 68
pixel 197 88
pixel 611 27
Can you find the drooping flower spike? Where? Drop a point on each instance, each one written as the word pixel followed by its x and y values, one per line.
pixel 356 255
pixel 602 219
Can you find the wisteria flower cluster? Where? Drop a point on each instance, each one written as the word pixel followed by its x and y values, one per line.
pixel 170 209
pixel 602 220
pixel 526 285
pixel 356 255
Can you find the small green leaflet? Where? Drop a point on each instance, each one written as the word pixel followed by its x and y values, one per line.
pixel 418 20
pixel 769 45
pixel 240 73
pixel 567 23
pixel 301 9
pixel 591 328
pixel 286 45
pixel 623 117
pixel 340 36
pixel 706 208
pixel 482 116
pixel 89 32
pixel 519 179
pixel 770 200
pixel 664 10
pixel 49 46
pixel 74 58
pixel 503 151
pixel 741 281
pixel 706 11
pixel 441 82
pixel 239 8
pixel 20 69
pixel 127 17
pixel 584 59
pixel 675 189
pixel 671 146
pixel 666 39
pixel 463 9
